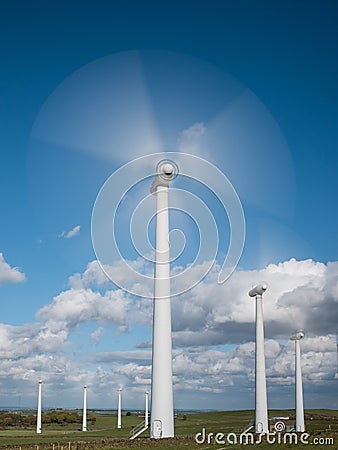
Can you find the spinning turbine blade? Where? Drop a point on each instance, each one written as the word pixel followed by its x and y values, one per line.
pixel 102 109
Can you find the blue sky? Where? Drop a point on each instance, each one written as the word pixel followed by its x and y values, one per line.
pixel 88 87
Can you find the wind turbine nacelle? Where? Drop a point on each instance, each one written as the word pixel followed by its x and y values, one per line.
pixel 258 290
pixel 298 336
pixel 165 173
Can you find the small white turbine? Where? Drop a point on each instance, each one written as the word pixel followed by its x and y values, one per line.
pixel 84 416
pixel 261 407
pixel 162 404
pixel 39 412
pixel 300 424
pixel 119 409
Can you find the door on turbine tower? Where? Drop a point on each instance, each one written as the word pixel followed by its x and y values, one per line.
pixel 157 428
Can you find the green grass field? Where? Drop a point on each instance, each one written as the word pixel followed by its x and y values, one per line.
pixel 321 424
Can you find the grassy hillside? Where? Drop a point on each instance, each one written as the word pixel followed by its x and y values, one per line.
pixel 103 434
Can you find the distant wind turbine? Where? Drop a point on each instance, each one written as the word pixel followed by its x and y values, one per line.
pixel 38 418
pixel 261 409
pixel 119 409
pixel 84 416
pixel 300 424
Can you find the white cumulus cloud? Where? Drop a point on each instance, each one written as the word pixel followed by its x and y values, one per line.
pixel 76 306
pixel 301 295
pixel 71 233
pixel 8 274
pixel 96 336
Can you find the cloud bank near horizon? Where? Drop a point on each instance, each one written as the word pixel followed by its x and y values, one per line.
pixel 213 336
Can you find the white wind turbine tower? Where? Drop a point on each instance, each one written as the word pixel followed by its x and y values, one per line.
pixel 146 412
pixel 84 416
pixel 162 405
pixel 38 418
pixel 300 424
pixel 261 408
pixel 119 409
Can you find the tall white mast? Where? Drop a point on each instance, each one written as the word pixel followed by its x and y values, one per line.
pixel 84 416
pixel 300 423
pixel 162 409
pixel 261 409
pixel 38 419
pixel 119 409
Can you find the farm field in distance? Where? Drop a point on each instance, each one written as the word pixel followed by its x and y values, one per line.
pixel 103 434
